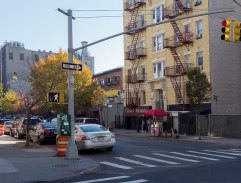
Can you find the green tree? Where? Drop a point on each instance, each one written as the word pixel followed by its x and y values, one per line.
pixel 7 102
pixel 198 89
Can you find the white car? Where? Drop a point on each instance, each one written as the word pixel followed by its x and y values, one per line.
pixel 94 136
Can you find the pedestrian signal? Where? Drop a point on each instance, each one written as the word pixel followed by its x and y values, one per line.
pixel 56 97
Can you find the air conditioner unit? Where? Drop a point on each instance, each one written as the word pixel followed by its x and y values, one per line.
pixel 198 3
pixel 199 36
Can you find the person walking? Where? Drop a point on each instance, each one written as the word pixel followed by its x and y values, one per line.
pixel 138 123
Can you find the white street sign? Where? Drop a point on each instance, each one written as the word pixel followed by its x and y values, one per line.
pixel 70 66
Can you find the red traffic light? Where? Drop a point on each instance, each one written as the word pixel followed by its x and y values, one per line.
pixel 226 23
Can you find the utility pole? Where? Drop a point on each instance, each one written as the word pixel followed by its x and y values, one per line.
pixel 72 152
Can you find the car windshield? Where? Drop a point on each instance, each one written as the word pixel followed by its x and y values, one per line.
pixel 93 128
pixel 8 122
pixel 32 121
pixel 49 125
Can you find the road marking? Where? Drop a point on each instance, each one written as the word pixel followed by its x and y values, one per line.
pixel 116 165
pixel 104 179
pixel 221 156
pixel 135 162
pixel 184 159
pixel 235 154
pixel 158 160
pixel 136 181
pixel 201 157
pixel 6 167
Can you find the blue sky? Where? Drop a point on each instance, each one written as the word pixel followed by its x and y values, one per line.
pixel 39 25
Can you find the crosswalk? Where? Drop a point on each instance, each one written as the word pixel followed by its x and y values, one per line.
pixel 110 179
pixel 156 159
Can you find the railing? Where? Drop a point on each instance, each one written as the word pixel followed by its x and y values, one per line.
pixel 136 24
pixel 175 70
pixel 174 41
pixel 135 53
pixel 174 11
pixel 132 102
pixel 130 5
pixel 135 78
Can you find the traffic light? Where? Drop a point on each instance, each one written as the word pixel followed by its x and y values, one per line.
pixel 236 31
pixel 56 97
pixel 226 30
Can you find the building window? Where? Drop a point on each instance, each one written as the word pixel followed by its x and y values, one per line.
pixel 197 2
pixel 36 58
pixel 159 99
pixel 102 82
pixel 199 28
pixel 11 55
pixel 158 70
pixel 157 14
pixel 142 21
pixel 143 72
pixel 143 95
pixel 21 56
pixel 117 79
pixel 200 60
pixel 109 81
pixel 157 43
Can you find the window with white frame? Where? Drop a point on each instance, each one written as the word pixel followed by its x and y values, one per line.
pixel 199 28
pixel 158 14
pixel 143 95
pixel 102 82
pixel 200 60
pixel 157 43
pixel 187 61
pixel 159 99
pixel 158 70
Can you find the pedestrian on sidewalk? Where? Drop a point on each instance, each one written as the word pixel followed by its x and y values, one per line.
pixel 138 123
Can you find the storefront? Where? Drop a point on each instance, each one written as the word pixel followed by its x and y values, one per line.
pixel 132 113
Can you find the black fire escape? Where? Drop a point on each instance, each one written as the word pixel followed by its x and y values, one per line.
pixel 180 38
pixel 134 53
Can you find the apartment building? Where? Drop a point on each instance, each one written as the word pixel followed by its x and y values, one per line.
pixel 14 64
pixel 157 58
pixel 112 82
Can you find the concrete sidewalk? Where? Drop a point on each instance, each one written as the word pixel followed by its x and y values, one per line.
pixel 208 139
pixel 19 164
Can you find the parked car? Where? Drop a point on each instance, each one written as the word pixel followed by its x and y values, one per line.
pixel 6 127
pixel 18 128
pixel 94 136
pixel 87 120
pixel 43 132
pixel 3 120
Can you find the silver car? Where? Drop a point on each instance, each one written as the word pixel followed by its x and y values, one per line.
pixel 94 136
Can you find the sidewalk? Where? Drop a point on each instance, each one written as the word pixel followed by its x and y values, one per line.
pixel 208 139
pixel 19 164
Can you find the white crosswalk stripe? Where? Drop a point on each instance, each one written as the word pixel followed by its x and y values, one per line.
pixel 136 181
pixel 174 157
pixel 6 167
pixel 201 157
pixel 216 155
pixel 221 152
pixel 158 160
pixel 135 162
pixel 116 165
pixel 103 179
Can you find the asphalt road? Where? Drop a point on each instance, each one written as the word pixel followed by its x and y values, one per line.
pixel 137 160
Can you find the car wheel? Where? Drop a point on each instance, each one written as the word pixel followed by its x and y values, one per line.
pixel 109 149
pixel 18 135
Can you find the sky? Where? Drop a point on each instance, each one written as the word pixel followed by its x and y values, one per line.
pixel 39 25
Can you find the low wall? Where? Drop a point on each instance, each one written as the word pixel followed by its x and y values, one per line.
pixel 225 126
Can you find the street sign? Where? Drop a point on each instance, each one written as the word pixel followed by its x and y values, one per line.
pixel 70 66
pixel 64 124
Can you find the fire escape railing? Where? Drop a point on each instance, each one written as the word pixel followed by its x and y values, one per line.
pixel 135 53
pixel 128 6
pixel 174 71
pixel 136 24
pixel 135 78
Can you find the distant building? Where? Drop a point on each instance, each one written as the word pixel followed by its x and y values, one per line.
pixel 112 82
pixel 14 59
pixel 85 57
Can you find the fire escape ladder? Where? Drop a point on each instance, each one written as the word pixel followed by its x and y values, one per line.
pixel 177 31
pixel 180 5
pixel 133 20
pixel 177 89
pixel 133 50
pixel 136 94
pixel 178 61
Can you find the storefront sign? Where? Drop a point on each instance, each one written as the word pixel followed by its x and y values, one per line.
pixel 137 111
